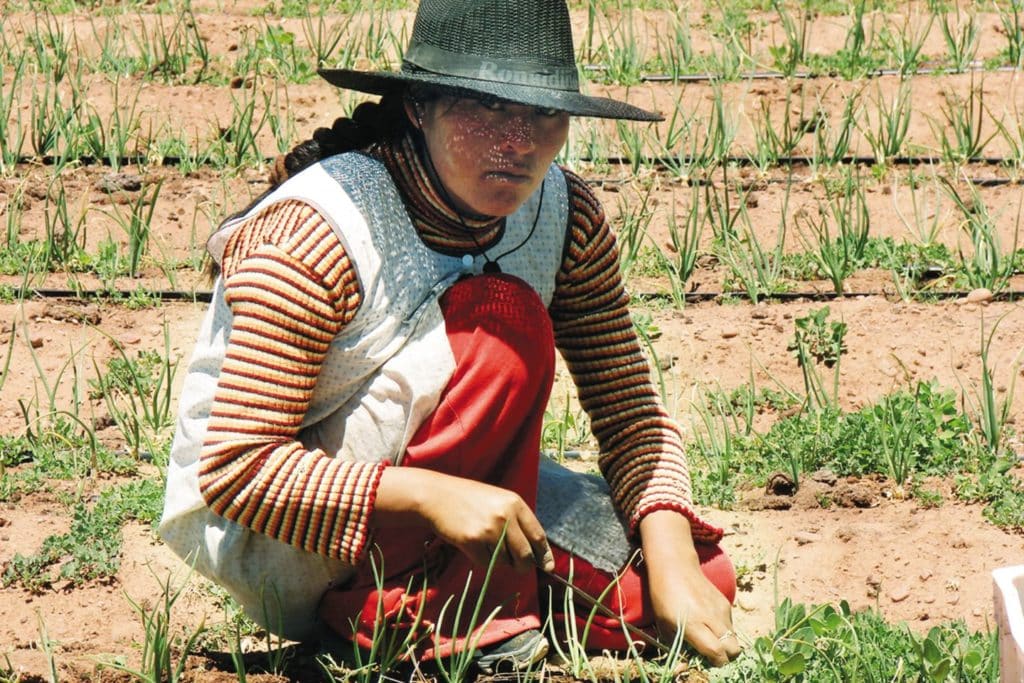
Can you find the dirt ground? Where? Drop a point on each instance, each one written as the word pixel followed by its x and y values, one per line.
pixel 920 565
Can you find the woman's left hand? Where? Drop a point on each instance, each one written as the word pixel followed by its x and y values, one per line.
pixel 680 592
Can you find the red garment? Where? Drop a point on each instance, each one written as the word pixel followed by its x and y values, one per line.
pixel 487 427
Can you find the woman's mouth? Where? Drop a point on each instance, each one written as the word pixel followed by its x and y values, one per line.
pixel 508 177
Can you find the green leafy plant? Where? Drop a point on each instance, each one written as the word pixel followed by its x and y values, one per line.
pixel 819 340
pixel 777 138
pixel 137 225
pixel 454 667
pixel 110 139
pixel 887 123
pixel 831 138
pixel 834 644
pixel 322 39
pixel 64 242
pixel 631 227
pixel 685 243
pixel 160 643
pixel 619 51
pixel 961 34
pixel 905 42
pixel 725 209
pixel 391 643
pixel 793 51
pixel 563 429
pixel 960 134
pixel 836 235
pixel 757 269
pixel 91 548
pixel 985 264
pixel 237 144
pixel 138 393
pixel 926 220
pixel 12 142
pixel 1010 18
pixel 990 413
pixel 855 59
pixel 717 442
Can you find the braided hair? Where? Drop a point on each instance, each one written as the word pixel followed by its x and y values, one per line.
pixel 370 123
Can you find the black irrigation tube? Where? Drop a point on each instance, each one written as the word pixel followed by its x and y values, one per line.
pixel 753 184
pixel 669 162
pixel 975 67
pixel 690 297
pixel 107 294
pixel 664 163
pixel 786 297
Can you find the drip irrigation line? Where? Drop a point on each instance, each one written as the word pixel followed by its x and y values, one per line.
pixel 973 67
pixel 663 163
pixel 753 184
pixel 102 294
pixel 691 297
pixel 786 297
pixel 135 160
pixel 908 160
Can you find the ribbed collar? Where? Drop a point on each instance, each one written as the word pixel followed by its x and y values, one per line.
pixel 435 220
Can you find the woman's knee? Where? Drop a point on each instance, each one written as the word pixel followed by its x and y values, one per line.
pixel 718 568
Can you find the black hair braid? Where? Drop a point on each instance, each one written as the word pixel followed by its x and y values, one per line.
pixel 371 122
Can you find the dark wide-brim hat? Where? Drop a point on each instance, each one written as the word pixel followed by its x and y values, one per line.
pixel 516 50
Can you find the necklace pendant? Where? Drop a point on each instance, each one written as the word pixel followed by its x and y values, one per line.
pixel 492 267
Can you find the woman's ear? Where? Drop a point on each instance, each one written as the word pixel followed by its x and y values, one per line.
pixel 414 110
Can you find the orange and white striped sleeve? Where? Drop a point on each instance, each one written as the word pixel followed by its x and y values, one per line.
pixel 641 451
pixel 291 288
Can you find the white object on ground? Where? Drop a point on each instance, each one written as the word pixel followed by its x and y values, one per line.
pixel 1009 608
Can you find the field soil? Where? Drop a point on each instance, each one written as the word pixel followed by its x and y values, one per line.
pixel 871 546
pixel 920 565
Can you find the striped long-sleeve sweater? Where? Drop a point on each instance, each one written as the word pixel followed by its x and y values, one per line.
pixel 291 288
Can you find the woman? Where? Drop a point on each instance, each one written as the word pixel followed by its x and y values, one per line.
pixel 360 426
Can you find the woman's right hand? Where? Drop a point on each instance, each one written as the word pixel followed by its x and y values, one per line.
pixel 467 514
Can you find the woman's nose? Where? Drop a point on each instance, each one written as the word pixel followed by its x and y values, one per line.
pixel 519 134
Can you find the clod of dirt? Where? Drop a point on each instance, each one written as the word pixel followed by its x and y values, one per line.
pixel 805 537
pixel 72 313
pixel 36 192
pixel 119 182
pixel 825 476
pixel 860 494
pixel 780 484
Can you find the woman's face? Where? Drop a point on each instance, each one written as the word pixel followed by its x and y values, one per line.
pixel 490 155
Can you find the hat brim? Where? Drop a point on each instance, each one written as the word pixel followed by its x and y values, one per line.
pixel 574 103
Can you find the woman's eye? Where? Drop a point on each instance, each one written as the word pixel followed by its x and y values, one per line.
pixel 492 104
pixel 547 111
